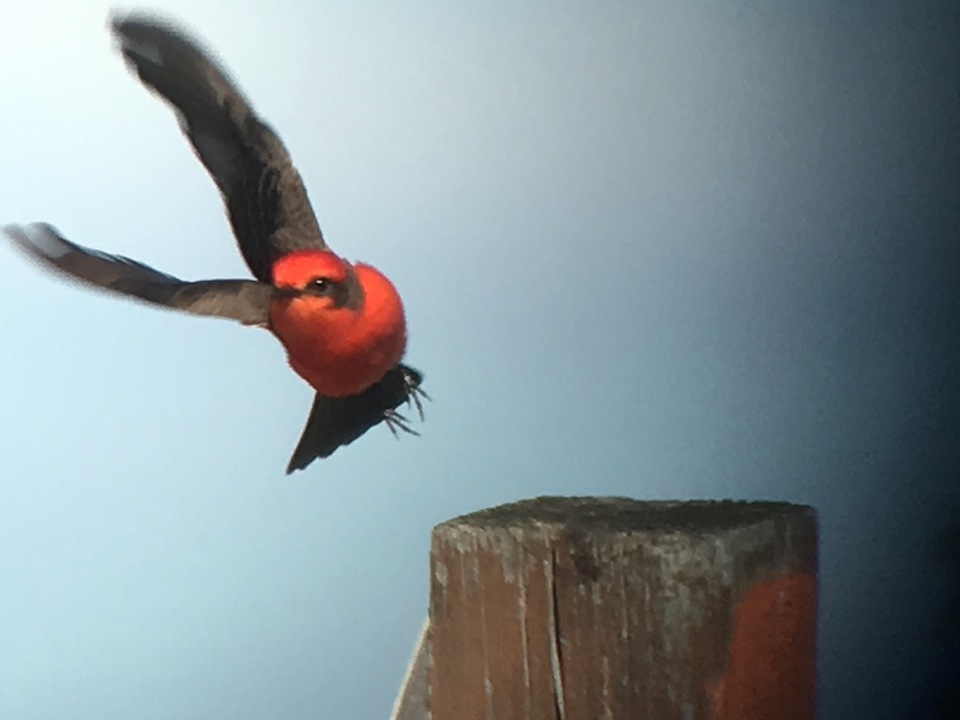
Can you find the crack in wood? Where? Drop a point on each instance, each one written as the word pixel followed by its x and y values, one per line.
pixel 553 628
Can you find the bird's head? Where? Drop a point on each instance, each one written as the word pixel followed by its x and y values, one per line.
pixel 318 278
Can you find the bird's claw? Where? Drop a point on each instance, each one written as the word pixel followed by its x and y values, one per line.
pixel 397 421
pixel 415 393
pixel 413 400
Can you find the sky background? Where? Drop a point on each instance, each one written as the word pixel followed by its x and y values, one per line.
pixel 662 250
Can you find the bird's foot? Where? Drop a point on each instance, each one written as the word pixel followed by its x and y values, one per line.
pixel 415 394
pixel 396 421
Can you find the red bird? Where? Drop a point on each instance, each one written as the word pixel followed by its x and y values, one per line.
pixel 341 324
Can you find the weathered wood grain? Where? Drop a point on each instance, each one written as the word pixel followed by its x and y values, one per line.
pixel 609 608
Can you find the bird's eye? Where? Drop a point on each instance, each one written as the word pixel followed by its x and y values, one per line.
pixel 320 285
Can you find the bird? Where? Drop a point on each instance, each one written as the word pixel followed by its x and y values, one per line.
pixel 342 324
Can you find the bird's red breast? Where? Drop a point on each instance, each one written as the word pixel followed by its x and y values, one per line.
pixel 342 339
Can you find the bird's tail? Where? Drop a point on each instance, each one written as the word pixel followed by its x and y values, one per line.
pixel 339 421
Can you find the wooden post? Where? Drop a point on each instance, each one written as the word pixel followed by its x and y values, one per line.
pixel 609 608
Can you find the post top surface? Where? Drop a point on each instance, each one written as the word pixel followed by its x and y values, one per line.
pixel 619 514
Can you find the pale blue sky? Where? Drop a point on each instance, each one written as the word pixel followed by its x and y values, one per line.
pixel 664 250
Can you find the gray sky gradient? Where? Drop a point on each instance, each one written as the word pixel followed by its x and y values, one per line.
pixel 664 250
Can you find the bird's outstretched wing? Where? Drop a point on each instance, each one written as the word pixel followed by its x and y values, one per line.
pixel 264 194
pixel 246 301
pixel 339 421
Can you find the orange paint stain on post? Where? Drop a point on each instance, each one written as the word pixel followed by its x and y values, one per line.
pixel 771 670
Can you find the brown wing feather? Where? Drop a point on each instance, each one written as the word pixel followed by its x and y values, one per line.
pixel 267 203
pixel 243 300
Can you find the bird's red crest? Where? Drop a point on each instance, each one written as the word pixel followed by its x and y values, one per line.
pixel 298 268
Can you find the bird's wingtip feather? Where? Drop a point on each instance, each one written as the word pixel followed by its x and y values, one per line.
pixel 38 239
